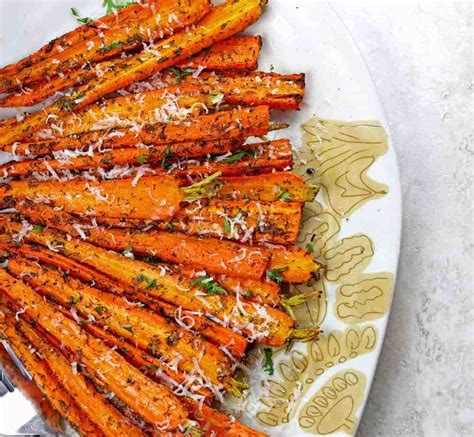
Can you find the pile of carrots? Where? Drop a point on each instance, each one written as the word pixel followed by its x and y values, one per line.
pixel 149 227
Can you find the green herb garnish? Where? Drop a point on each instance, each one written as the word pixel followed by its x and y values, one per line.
pixel 73 300
pixel 268 361
pixel 83 20
pixel 107 48
pixel 239 155
pixel 227 226
pixel 209 285
pixel 168 155
pixel 275 274
pixel 284 195
pixel 149 282
pixel 142 159
pixel 38 229
pixel 272 67
pixel 149 367
pixel 128 252
pixel 180 73
pixel 310 248
pixel 116 5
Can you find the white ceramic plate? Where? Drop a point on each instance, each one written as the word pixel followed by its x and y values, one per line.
pixel 317 390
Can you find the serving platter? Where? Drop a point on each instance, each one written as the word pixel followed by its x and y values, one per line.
pixel 353 226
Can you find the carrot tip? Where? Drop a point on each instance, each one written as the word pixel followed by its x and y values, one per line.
pixel 304 335
pixel 289 303
pixel 236 388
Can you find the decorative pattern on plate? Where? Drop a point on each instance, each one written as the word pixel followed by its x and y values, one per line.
pixel 335 404
pixel 337 156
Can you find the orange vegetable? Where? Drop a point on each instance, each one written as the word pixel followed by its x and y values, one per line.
pixel 240 52
pixel 38 368
pixel 219 335
pixel 155 198
pixel 235 53
pixel 226 125
pixel 222 22
pixel 244 221
pixel 268 325
pixel 134 12
pixel 116 374
pixel 146 330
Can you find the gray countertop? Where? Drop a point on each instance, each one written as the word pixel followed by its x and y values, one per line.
pixel 420 56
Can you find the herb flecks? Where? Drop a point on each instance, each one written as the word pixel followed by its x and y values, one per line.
pixel 268 361
pixel 284 195
pixel 116 5
pixel 142 160
pixel 275 274
pixel 165 163
pixel 83 20
pixel 180 73
pixel 38 229
pixel 208 284
pixel 239 155
pixel 150 283
pixel 107 48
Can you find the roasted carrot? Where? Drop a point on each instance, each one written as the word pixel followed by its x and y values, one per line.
pixel 148 331
pixel 135 111
pixel 38 92
pixel 249 159
pixel 281 186
pixel 240 52
pixel 112 369
pixel 222 22
pixel 133 12
pixel 31 390
pixel 278 91
pixel 235 53
pixel 215 256
pixel 37 367
pixel 244 221
pixel 268 325
pixel 106 418
pixel 218 335
pixel 171 16
pixel 225 125
pixel 235 159
pixel 159 199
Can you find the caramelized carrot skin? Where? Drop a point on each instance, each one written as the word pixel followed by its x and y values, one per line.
pixel 111 42
pixel 218 335
pixel 150 332
pixel 48 385
pixel 158 199
pixel 236 53
pixel 133 12
pixel 162 405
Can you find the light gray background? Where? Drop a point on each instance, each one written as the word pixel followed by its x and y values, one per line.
pixel 421 58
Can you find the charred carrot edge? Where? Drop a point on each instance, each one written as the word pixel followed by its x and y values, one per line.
pixel 222 22
pixel 46 382
pixel 155 198
pixel 106 418
pixel 133 12
pixel 163 407
pixel 219 335
pixel 172 15
pixel 269 325
pixel 235 53
pixel 239 221
pixel 31 390
pixel 225 125
pixel 212 255
pixel 148 331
